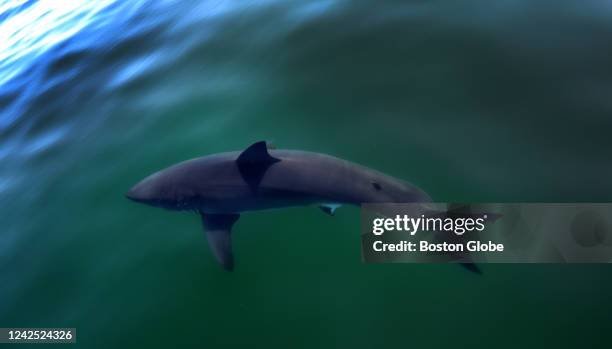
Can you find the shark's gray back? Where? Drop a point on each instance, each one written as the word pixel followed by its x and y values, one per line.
pixel 216 183
pixel 299 178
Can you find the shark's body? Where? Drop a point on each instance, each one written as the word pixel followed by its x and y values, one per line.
pixel 221 186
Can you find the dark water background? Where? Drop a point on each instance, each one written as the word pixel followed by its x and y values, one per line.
pixel 491 101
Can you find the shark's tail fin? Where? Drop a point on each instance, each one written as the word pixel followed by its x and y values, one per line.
pixel 463 211
pixel 473 267
pixel 428 210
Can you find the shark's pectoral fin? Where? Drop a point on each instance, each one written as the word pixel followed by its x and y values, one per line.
pixel 253 163
pixel 218 228
pixel 330 209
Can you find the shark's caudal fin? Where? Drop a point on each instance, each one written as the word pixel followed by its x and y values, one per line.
pixel 453 211
pixel 218 228
pixel 473 267
pixel 465 211
pixel 253 163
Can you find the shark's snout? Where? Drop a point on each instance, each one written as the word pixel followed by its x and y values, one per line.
pixel 145 191
pixel 154 190
pixel 136 193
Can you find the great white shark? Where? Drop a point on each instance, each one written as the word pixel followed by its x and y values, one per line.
pixel 221 186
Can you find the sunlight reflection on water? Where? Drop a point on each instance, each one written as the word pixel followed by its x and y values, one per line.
pixel 31 31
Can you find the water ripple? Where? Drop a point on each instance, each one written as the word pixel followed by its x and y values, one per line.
pixel 31 31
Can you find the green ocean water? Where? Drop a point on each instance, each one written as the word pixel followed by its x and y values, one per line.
pixel 505 101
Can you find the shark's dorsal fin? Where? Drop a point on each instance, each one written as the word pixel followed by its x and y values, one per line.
pixel 256 153
pixel 218 228
pixel 253 163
